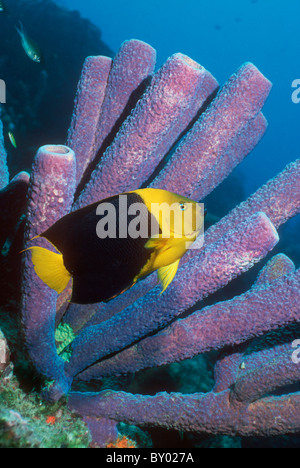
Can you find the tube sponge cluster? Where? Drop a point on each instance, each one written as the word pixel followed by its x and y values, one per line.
pixel 50 196
pixel 173 128
pixel 238 403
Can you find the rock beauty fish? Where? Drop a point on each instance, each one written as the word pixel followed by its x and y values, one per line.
pixel 103 249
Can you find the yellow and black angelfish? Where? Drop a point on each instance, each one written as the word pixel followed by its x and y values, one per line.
pixel 108 246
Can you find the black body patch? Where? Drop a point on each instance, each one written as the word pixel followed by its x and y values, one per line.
pixel 101 268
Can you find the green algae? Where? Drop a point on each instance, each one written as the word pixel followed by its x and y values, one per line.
pixel 64 336
pixel 26 421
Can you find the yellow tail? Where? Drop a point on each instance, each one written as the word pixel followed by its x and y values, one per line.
pixel 50 268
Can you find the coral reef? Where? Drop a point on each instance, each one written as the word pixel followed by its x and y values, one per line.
pixel 170 129
pixel 27 422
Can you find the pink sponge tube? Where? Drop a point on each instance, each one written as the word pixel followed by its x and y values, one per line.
pixel 212 136
pixel 176 93
pixel 88 102
pixel 133 64
pixel 230 256
pixel 50 197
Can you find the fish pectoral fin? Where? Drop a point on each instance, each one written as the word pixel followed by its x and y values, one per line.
pixel 50 268
pixel 156 243
pixel 166 274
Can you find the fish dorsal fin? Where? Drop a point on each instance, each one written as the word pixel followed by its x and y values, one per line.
pixel 50 268
pixel 166 274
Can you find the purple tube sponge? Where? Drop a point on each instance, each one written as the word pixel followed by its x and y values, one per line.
pixel 209 413
pixel 279 198
pixel 50 197
pixel 176 93
pixel 132 66
pixel 93 314
pixel 89 99
pixel 208 144
pixel 279 266
pixel 240 410
pixel 262 369
pixel 230 256
pixel 247 131
pixel 215 327
pixel 266 372
pixel 229 364
pixel 222 411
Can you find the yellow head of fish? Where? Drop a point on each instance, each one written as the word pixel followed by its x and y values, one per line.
pixel 180 221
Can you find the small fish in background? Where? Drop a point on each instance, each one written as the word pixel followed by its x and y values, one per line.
pixel 3 8
pixel 104 266
pixel 29 45
pixel 12 139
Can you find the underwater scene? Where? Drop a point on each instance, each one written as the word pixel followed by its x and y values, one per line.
pixel 150 226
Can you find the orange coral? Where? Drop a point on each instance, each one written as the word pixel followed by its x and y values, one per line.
pixel 122 442
pixel 50 420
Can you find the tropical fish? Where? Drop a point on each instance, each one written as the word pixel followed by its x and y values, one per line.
pixel 108 246
pixel 31 48
pixel 3 7
pixel 12 139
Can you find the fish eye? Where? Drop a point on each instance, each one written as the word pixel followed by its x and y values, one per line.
pixel 182 206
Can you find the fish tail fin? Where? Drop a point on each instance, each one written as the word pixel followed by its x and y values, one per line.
pixel 50 268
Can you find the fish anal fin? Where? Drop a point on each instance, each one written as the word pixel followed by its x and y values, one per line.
pixel 166 274
pixel 35 237
pixel 50 268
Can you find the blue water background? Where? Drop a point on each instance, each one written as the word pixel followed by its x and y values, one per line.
pixel 221 35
